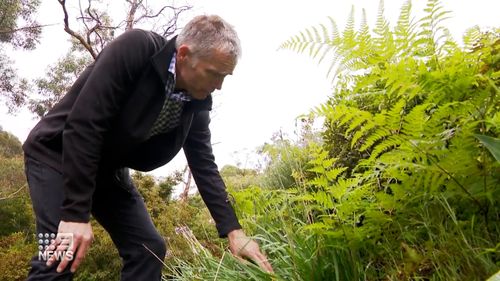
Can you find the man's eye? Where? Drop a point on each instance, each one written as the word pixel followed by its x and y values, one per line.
pixel 213 73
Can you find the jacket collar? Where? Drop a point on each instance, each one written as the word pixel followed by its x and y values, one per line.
pixel 161 61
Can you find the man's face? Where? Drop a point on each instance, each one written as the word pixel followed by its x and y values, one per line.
pixel 200 76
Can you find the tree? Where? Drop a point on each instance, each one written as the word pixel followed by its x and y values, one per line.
pixel 19 29
pixel 239 178
pixel 10 146
pixel 95 29
pixel 285 161
pixel 17 24
pixel 166 185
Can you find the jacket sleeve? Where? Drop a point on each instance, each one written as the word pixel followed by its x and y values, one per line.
pixel 99 101
pixel 201 161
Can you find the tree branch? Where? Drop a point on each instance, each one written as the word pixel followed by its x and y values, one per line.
pixel 12 195
pixel 83 17
pixel 74 34
pixel 172 24
pixel 5 31
pixel 157 14
pixel 131 14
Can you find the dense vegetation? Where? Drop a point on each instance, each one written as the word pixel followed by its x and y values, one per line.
pixel 401 183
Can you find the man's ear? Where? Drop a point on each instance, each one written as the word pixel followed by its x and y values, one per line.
pixel 183 52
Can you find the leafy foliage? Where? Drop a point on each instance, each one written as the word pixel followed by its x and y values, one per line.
pixel 237 179
pixel 52 87
pixel 492 144
pixel 409 105
pixel 17 228
pixel 17 23
pixel 14 260
pixel 15 209
pixel 10 146
pixel 284 159
pixel 19 29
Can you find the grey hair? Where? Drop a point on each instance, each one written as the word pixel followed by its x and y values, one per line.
pixel 206 33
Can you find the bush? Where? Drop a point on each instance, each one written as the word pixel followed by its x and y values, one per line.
pixel 17 250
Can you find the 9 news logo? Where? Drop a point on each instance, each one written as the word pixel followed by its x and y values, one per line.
pixel 48 249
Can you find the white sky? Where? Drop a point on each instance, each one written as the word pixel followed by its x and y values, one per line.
pixel 269 88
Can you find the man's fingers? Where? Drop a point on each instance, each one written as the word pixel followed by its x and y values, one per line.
pixel 72 242
pixel 68 257
pixel 80 254
pixel 261 261
pixel 258 258
pixel 77 249
pixel 243 247
pixel 55 247
pixel 72 246
pixel 264 263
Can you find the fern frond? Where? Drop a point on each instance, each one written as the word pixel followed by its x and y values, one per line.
pixel 309 38
pixel 333 174
pixel 327 48
pixel 405 30
pixel 349 33
pixel 415 122
pixel 404 26
pixel 386 145
pixel 364 32
pixel 448 44
pixel 324 199
pixel 313 52
pixel 400 78
pixel 320 44
pixel 381 25
pixel 383 42
pixel 430 38
pixel 360 118
pixel 341 187
pixel 344 46
pixel 471 37
pixel 395 116
pixel 362 131
pixel 335 35
pixel 379 134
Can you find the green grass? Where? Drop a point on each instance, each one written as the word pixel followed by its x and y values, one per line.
pixel 426 242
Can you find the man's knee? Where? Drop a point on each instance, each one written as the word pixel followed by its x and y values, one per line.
pixel 152 249
pixel 156 246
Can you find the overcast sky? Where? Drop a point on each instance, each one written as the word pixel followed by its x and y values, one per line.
pixel 270 87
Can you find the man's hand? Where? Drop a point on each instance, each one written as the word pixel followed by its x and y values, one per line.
pixel 75 248
pixel 243 247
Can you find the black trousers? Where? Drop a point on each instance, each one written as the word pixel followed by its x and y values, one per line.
pixel 116 205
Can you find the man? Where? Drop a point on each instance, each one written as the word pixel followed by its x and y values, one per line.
pixel 136 106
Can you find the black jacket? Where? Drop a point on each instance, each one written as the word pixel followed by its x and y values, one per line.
pixel 102 125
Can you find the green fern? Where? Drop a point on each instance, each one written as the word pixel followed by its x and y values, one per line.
pixel 405 30
pixel 422 109
pixel 471 38
pixel 400 130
